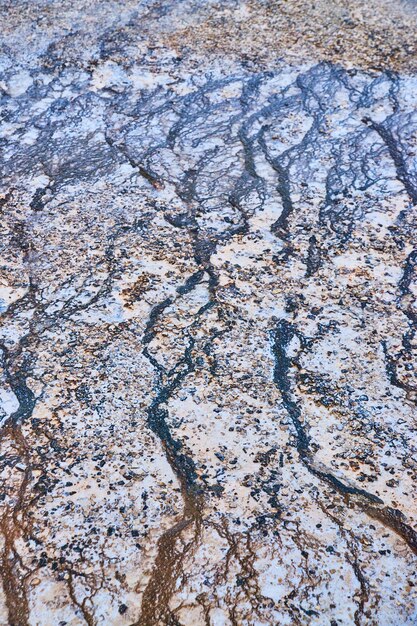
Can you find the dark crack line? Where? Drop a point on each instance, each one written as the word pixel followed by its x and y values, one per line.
pixel 169 560
pixel 367 502
pixel 397 157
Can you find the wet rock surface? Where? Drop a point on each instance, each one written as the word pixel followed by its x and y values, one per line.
pixel 208 317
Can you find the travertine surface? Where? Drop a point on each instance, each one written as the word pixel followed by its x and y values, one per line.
pixel 208 311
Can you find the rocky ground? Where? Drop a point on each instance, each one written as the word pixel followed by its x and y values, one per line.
pixel 208 312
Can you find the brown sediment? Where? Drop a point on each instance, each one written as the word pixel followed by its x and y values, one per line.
pixel 395 520
pixel 168 568
pixel 88 617
pixel 14 524
pixel 375 34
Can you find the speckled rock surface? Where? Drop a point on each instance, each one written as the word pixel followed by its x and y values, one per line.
pixel 208 313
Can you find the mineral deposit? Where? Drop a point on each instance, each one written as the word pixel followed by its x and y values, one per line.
pixel 208 334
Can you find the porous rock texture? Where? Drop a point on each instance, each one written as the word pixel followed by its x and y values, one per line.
pixel 208 313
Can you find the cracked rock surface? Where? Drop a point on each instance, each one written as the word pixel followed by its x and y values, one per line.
pixel 208 318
